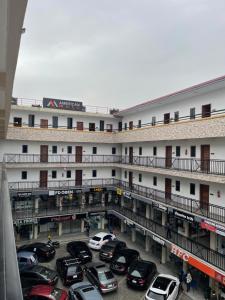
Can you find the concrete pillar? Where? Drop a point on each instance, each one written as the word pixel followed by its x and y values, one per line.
pixel 35 230
pixel 60 228
pixel 133 235
pixel 82 226
pixel 164 255
pixel 90 198
pixel 147 243
pixel 164 217
pixel 123 227
pixel 134 205
pixel 147 211
pixel 109 196
pixel 36 204
pixel 102 223
pixel 185 267
pixel 82 200
pixel 103 199
pixel 212 240
pixel 186 229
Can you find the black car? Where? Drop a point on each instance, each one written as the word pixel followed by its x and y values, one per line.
pixel 141 273
pixel 122 260
pixel 43 251
pixel 35 275
pixel 80 250
pixel 69 270
pixel 110 249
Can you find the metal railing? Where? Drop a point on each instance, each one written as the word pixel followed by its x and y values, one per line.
pixel 210 166
pixel 211 211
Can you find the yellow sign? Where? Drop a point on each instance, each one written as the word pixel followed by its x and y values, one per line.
pixel 119 191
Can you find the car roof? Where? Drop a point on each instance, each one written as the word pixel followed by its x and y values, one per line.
pixel 87 290
pixel 102 234
pixel 26 254
pixel 112 243
pixel 143 264
pixel 98 265
pixel 162 283
pixel 127 251
pixel 77 243
pixel 69 260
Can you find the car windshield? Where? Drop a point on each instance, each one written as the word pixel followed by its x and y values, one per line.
pixel 72 270
pixel 96 238
pixel 136 273
pixel 121 259
pixel 155 296
pixel 161 283
pixel 103 276
pixel 56 294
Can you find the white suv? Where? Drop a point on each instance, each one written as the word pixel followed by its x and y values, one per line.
pixel 164 287
pixel 100 239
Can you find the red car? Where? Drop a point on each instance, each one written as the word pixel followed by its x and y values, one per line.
pixel 47 292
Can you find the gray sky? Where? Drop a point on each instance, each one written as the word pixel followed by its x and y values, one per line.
pixel 119 53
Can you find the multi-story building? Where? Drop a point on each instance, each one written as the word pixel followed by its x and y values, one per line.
pixel 156 170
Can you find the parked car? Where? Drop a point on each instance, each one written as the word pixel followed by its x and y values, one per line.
pixel 85 291
pixel 42 292
pixel 123 259
pixel 26 259
pixel 100 275
pixel 163 287
pixel 69 270
pixel 110 249
pixel 35 275
pixel 97 241
pixel 140 274
pixel 44 252
pixel 79 249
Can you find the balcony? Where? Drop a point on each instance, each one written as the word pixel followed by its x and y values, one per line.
pixel 146 194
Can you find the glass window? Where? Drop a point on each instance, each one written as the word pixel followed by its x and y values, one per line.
pixel 94 173
pixel 113 173
pixel 68 174
pixel 24 175
pixel 55 122
pixel 155 180
pixel 177 186
pixel 69 149
pixel 125 150
pixel 125 174
pixel 31 120
pixel 192 188
pixel 140 177
pixel 91 126
pixel 54 174
pixel 177 151
pixel 193 151
pixel 17 122
pixel 54 149
pixel 125 126
pixel 139 123
pixel 94 150
pixel 153 121
pixel 154 150
pixel 113 150
pixel 176 116
pixel 140 150
pixel 24 148
pixel 192 113
pixel 69 123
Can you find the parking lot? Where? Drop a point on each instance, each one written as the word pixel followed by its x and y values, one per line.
pixel 123 291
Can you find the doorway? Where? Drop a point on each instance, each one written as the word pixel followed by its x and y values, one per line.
pixel 43 179
pixel 168 188
pixel 204 196
pixel 79 175
pixel 79 153
pixel 44 123
pixel 168 162
pixel 205 158
pixel 131 155
pixel 44 153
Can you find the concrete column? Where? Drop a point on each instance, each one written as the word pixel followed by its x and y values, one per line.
pixel 36 204
pixel 147 243
pixel 123 227
pixel 103 199
pixel 102 223
pixel 164 255
pixel 212 240
pixel 82 200
pixel 82 226
pixel 147 211
pixel 134 205
pixel 35 230
pixel 164 217
pixel 133 235
pixel 109 196
pixel 186 229
pixel 185 267
pixel 60 228
pixel 90 198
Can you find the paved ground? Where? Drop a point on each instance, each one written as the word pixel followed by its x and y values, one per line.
pixel 123 290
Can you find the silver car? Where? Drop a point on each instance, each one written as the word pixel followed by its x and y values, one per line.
pixel 101 276
pixel 84 290
pixel 26 259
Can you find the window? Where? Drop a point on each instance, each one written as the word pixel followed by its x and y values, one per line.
pixel 31 120
pixel 69 149
pixel 54 174
pixel 68 174
pixel 125 174
pixel 94 150
pixel 206 110
pixel 113 173
pixel 140 177
pixel 113 150
pixel 101 125
pixel 166 118
pixel 140 150
pixel 192 188
pixel 109 127
pixel 54 149
pixel 24 148
pixel 177 186
pixel 130 125
pixel 94 173
pixel 139 123
pixel 120 126
pixel 176 116
pixel 80 126
pixel 24 175
pixel 54 122
pixel 155 180
pixel 192 113
pixel 177 151
pixel 154 150
pixel 91 126
pixel 125 126
pixel 193 151
pixel 153 121
pixel 69 123
pixel 17 122
pixel 125 150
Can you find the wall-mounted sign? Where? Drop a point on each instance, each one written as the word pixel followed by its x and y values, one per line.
pixel 98 189
pixel 60 192
pixel 158 240
pixel 63 104
pixel 119 191
pixel 160 206
pixel 179 252
pixel 26 221
pixel 57 219
pixel 23 194
pixel 211 226
pixel 127 194
pixel 183 216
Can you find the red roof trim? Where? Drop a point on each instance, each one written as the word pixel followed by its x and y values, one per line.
pixel 189 89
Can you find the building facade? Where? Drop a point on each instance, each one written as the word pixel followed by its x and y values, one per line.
pixel 155 170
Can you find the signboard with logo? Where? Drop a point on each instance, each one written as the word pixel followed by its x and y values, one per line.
pixel 98 189
pixel 160 206
pixel 26 221
pixel 158 240
pixel 57 219
pixel 63 104
pixel 60 192
pixel 183 216
pixel 23 194
pixel 211 226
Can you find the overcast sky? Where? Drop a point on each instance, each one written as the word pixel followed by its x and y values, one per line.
pixel 118 53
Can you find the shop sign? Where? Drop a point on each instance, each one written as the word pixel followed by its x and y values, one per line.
pixel 183 216
pixel 26 221
pixel 219 277
pixel 127 194
pixel 158 240
pixel 119 191
pixel 208 225
pixel 98 189
pixel 63 192
pixel 23 194
pixel 63 104
pixel 63 218
pixel 179 253
pixel 160 206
